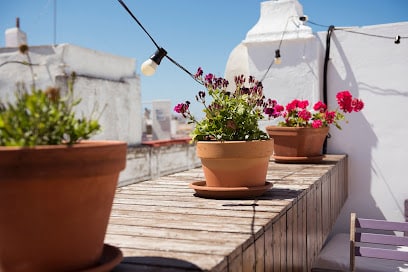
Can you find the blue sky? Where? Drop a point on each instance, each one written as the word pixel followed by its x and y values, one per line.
pixel 195 33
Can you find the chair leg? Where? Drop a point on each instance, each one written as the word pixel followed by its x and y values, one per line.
pixel 353 217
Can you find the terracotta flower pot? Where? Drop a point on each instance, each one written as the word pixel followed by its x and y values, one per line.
pixel 235 163
pixel 55 203
pixel 297 144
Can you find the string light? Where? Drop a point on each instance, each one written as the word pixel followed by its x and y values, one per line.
pixel 149 66
pixel 277 59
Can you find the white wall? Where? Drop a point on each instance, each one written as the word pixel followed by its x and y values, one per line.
pixel 372 68
pixel 107 84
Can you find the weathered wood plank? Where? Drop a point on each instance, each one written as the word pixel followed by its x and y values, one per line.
pixel 236 264
pixel 296 238
pixel 279 244
pixel 303 226
pixel 318 205
pixel 311 226
pixel 126 215
pixel 276 233
pixel 269 249
pixel 191 225
pixel 260 253
pixel 160 225
pixel 248 258
pixel 289 239
pixel 326 213
pixel 175 233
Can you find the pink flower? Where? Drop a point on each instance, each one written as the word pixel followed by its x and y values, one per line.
pixel 303 104
pixel 357 104
pixel 317 124
pixel 229 114
pixel 182 107
pixel 199 72
pixel 292 105
pixel 330 116
pixel 305 115
pixel 344 100
pixel 296 113
pixel 320 106
pixel 279 108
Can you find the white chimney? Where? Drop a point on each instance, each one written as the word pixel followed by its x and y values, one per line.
pixel 14 36
pixel 277 17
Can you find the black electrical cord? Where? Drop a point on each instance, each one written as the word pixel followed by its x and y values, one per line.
pixel 317 24
pixel 138 22
pixel 326 63
pixel 396 38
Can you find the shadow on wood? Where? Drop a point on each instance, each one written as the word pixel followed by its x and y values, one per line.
pixel 156 264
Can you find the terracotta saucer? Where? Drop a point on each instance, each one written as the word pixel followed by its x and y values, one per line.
pixel 111 256
pixel 228 192
pixel 282 159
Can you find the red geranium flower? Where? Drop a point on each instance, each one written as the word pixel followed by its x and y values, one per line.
pixel 296 113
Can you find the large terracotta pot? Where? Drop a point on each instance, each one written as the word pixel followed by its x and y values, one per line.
pixel 235 163
pixel 297 144
pixel 55 203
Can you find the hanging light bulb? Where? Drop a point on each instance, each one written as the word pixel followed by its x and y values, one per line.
pixel 277 57
pixel 149 66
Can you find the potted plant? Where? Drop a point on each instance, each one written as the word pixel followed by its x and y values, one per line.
pixel 300 137
pixel 234 151
pixel 56 187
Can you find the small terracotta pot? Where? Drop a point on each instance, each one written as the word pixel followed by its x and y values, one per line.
pixel 235 163
pixel 55 203
pixel 297 143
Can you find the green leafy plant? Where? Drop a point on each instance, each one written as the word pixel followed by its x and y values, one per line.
pixel 43 117
pixel 229 116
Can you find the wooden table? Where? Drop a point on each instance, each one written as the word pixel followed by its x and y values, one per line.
pixel 161 226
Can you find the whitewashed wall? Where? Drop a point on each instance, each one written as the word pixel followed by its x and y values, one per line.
pixel 109 87
pixel 107 84
pixel 372 68
pixel 375 69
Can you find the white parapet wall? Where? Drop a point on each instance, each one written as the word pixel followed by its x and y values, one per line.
pixel 107 85
pixel 109 88
pixel 146 162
